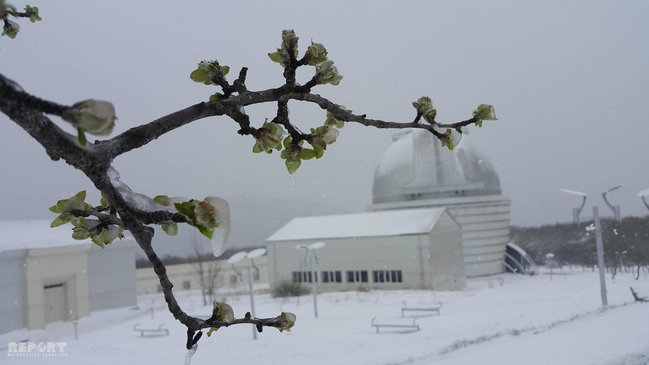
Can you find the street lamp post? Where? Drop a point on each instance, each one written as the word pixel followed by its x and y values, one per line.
pixel 312 263
pixel 598 237
pixel 577 211
pixel 614 208
pixel 643 196
pixel 250 256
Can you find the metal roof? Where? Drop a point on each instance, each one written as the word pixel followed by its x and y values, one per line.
pixel 369 224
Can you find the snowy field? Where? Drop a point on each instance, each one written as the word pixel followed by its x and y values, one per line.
pixel 504 319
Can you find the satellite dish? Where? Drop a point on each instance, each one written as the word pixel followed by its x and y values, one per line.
pixel 317 245
pixel 237 257
pixel 256 253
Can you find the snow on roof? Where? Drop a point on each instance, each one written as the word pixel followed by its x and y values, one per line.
pixel 18 235
pixel 370 224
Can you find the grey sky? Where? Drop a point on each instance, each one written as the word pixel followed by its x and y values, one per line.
pixel 570 82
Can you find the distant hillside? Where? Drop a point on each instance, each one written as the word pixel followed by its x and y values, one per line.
pixel 572 244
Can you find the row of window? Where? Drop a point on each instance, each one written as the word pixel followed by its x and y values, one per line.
pixel 351 276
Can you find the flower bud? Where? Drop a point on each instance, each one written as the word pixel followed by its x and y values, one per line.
pixel 93 116
pixel 317 54
pixel 222 312
pixel 10 28
pixel 287 321
pixel 452 139
pixel 327 73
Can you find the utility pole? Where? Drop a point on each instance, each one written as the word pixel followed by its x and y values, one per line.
pixel 600 256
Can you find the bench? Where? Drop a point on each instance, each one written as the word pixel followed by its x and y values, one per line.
pixel 160 331
pixel 408 324
pixel 433 309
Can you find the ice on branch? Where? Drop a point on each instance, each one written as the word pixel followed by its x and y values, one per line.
pixel 135 200
pixel 287 321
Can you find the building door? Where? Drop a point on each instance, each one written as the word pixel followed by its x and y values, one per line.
pixel 55 306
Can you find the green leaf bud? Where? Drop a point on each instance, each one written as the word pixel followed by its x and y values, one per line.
pixel 275 56
pixel 222 312
pixel 170 229
pixel 211 217
pixel 32 12
pixel 485 112
pixel 103 201
pixel 162 200
pixel 317 54
pixel 107 235
pixel 327 73
pixel 424 108
pixel 207 70
pixel 10 28
pixel 289 40
pixel 307 154
pixel 292 164
pixel 452 139
pixel 332 121
pixel 61 220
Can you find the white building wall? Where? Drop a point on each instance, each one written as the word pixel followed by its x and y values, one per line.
pixel 414 256
pixel 485 228
pixel 12 287
pixel 111 275
pixel 67 265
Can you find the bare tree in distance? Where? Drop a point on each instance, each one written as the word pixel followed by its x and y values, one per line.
pixel 122 209
pixel 206 267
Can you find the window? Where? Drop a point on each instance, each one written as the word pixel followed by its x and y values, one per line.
pixel 255 275
pixel 387 276
pixel 332 277
pixel 358 276
pixel 187 284
pixel 233 279
pixel 296 277
pixel 303 276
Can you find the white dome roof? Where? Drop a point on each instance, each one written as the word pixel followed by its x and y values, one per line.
pixel 416 167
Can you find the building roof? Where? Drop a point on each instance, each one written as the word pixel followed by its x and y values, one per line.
pixel 18 235
pixel 370 224
pixel 416 166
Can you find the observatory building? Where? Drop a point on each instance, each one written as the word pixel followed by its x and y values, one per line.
pixel 416 171
pixel 437 217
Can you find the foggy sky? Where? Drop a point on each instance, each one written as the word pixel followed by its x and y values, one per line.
pixel 569 80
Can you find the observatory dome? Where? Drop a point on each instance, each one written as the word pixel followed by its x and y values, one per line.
pixel 417 167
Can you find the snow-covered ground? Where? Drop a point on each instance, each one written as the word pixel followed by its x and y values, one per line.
pixel 504 319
